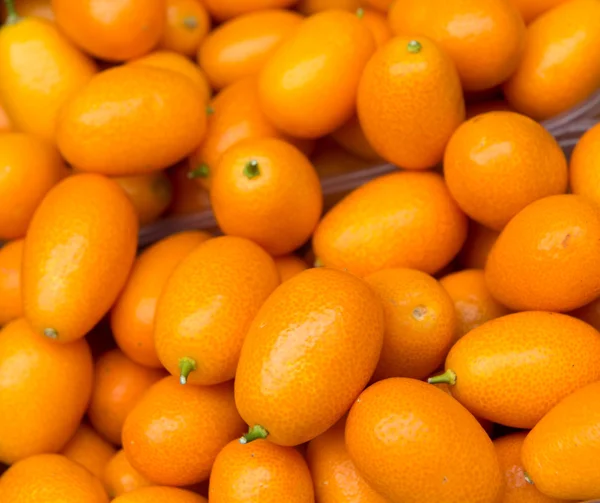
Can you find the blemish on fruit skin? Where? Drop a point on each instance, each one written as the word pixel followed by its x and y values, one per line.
pixel 419 313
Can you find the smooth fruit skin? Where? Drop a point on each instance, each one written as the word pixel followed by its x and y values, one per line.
pixel 162 110
pixel 473 303
pixel 497 163
pixel 310 351
pixel 531 9
pixel 308 87
pixel 370 230
pixel 288 266
pixel 377 24
pixel 174 433
pixel 113 31
pixel 11 258
pixel 420 323
pixel 160 495
pixel 50 478
pixel 559 453
pixel 516 488
pixel 30 167
pixel 155 118
pixel 175 62
pixel 484 38
pixel 207 305
pixel 133 314
pixel 79 250
pixel 150 194
pixel 240 47
pixel 514 369
pixel 89 449
pixel 584 177
pixel 548 256
pixel 277 205
pixel 188 23
pixel 410 102
pixel 119 383
pixel 221 10
pixel 334 474
pixel 119 477
pixel 399 423
pixel 45 386
pixel 554 74
pixel 260 472
pixel 477 247
pixel 39 71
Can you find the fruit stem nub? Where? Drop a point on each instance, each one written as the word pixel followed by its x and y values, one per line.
pixel 51 333
pixel 201 171
pixel 186 365
pixel 527 478
pixel 360 13
pixel 190 22
pixel 254 433
pixel 209 110
pixel 448 377
pixel 251 169
pixel 12 17
pixel 414 46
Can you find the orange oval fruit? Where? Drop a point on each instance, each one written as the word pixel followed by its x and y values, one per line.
pixel 516 488
pixel 554 74
pixel 334 474
pixel 149 193
pixel 207 305
pixel 260 472
pixel 473 303
pixel 377 24
pixel 584 179
pixel 308 99
pixel 162 435
pixel 160 495
pixel 11 259
pixel 50 478
pixel 188 196
pixel 558 451
pixel 46 387
pixel 497 163
pixel 113 31
pixel 484 38
pixel 89 449
pixel 310 7
pixel 531 9
pixel 161 110
pixel 119 383
pixel 267 191
pixel 39 71
pixel 175 62
pixel 410 102
pixel 288 266
pixel 30 168
pixel 420 323
pixel 120 477
pixel 315 341
pixel 399 423
pixel 514 369
pixel 79 250
pixel 548 256
pixel 477 247
pixel 133 314
pixel 221 10
pixel 368 230
pixel 240 47
pixel 188 23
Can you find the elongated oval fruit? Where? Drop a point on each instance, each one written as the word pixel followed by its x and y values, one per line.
pixel 79 250
pixel 308 87
pixel 561 453
pixel 207 305
pixel 310 351
pixel 512 370
pixel 415 443
pixel 131 119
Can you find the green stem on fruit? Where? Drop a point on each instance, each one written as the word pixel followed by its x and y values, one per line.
pixel 527 478
pixel 251 169
pixel 209 110
pixel 201 171
pixel 186 365
pixel 318 262
pixel 12 17
pixel 254 433
pixel 414 46
pixel 190 22
pixel 448 377
pixel 51 333
pixel 360 13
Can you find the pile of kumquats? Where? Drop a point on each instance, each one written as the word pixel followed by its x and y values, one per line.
pixel 430 336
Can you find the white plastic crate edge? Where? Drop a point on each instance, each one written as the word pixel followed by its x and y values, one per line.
pixel 566 128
